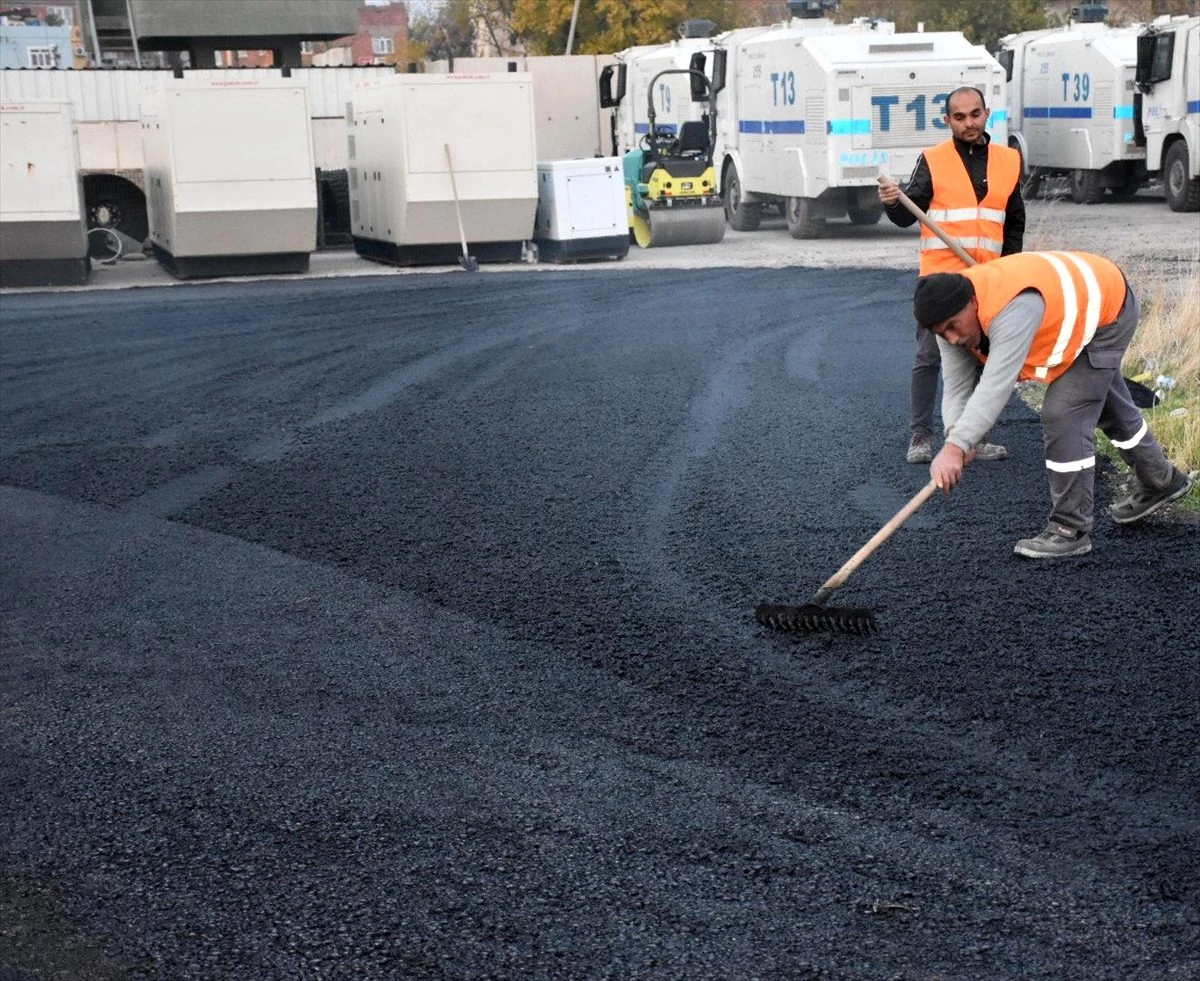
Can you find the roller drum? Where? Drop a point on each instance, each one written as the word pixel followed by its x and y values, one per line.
pixel 661 227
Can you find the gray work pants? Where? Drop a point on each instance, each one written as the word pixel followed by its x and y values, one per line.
pixel 1092 393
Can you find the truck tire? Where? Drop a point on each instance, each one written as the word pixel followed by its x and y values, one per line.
pixel 1127 189
pixel 1031 182
pixel 860 215
pixel 1087 187
pixel 743 216
pixel 1183 191
pixel 801 220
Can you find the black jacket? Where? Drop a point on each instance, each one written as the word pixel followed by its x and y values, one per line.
pixel 974 156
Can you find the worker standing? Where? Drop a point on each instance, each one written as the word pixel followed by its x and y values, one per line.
pixel 973 190
pixel 1063 318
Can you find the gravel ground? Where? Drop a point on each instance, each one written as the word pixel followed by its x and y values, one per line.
pixel 400 626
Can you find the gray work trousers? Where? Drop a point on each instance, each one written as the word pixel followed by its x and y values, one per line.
pixel 922 393
pixel 1092 393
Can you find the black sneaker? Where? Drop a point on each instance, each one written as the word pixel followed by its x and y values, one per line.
pixel 1142 502
pixel 1056 542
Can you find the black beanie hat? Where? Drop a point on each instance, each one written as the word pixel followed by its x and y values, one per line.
pixel 940 296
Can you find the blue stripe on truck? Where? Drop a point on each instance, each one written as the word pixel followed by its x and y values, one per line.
pixel 848 127
pixel 1058 112
pixel 771 126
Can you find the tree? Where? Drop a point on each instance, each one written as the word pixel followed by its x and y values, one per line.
pixel 493 20
pixel 441 32
pixel 605 26
pixel 981 21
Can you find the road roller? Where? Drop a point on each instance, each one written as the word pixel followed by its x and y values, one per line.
pixel 670 183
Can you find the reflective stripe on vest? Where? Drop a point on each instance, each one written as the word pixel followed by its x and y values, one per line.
pixel 967 243
pixel 968 214
pixel 977 226
pixel 1091 315
pixel 1082 293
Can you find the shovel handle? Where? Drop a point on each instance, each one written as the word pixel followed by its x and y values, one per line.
pixel 882 535
pixel 462 234
pixel 933 226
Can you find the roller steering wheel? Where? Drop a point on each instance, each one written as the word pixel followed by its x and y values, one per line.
pixel 662 142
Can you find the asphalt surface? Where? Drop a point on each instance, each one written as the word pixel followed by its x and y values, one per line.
pixel 402 628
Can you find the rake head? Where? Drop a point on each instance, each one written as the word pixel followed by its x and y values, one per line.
pixel 813 618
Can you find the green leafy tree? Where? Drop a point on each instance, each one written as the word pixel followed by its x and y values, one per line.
pixel 606 26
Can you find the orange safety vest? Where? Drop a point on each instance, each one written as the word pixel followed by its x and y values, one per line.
pixel 977 226
pixel 1083 293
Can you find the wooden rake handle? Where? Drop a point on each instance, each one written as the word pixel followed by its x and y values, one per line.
pixel 933 226
pixel 882 535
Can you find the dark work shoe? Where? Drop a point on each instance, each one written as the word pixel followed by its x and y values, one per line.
pixel 1056 542
pixel 1142 502
pixel 920 449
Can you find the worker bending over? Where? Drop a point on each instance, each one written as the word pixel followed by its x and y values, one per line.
pixel 1064 318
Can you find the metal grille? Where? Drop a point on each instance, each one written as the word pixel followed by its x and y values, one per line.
pixel 900 48
pixel 814 115
pixel 1104 103
pixel 910 119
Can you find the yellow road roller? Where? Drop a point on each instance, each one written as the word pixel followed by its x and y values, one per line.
pixel 670 183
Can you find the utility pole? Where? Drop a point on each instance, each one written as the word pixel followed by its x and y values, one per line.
pixel 571 32
pixel 97 60
pixel 137 55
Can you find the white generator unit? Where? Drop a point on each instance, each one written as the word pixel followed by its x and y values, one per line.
pixel 1070 100
pixel 43 223
pixel 567 119
pixel 1168 107
pixel 581 211
pixel 427 150
pixel 230 180
pixel 810 113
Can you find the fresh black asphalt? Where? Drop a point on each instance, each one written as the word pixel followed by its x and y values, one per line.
pixel 402 628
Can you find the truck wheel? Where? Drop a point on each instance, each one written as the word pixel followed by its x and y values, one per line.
pixel 1087 187
pixel 1127 189
pixel 801 220
pixel 743 216
pixel 1031 182
pixel 860 215
pixel 1183 191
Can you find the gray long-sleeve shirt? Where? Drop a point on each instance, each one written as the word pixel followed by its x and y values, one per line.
pixel 970 409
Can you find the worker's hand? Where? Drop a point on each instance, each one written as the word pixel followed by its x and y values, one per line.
pixel 889 191
pixel 947 467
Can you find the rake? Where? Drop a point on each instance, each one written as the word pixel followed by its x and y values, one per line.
pixel 815 616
